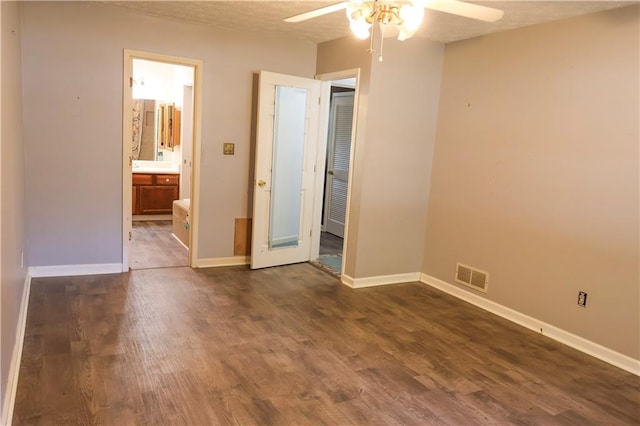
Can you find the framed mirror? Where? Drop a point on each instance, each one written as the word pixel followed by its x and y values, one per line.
pixel 156 127
pixel 144 145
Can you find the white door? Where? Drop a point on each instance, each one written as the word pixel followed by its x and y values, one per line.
pixel 341 124
pixel 286 142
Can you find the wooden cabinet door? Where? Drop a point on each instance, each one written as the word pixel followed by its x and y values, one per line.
pixel 156 199
pixel 134 200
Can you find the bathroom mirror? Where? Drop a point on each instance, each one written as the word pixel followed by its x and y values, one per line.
pixel 144 130
pixel 156 129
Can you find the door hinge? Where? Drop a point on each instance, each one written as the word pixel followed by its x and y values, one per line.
pixel 130 161
pixel 319 100
pixel 130 235
pixel 130 81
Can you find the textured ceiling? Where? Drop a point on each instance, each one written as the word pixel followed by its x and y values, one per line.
pixel 267 16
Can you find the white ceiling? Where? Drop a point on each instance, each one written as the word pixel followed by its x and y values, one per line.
pixel 267 16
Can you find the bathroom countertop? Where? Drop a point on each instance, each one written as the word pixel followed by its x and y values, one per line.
pixel 156 170
pixel 155 167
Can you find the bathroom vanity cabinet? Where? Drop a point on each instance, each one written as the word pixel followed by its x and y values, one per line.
pixel 154 193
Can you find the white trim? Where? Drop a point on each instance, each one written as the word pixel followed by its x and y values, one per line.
pixel 223 261
pixel 320 169
pixel 179 240
pixel 73 270
pixel 127 157
pixel 194 203
pixel 594 349
pixel 346 280
pixel 380 280
pixel 14 370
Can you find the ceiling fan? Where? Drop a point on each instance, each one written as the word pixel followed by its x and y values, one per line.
pixel 406 15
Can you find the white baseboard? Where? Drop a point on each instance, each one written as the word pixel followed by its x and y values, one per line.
pixel 9 396
pixel 223 261
pixel 380 280
pixel 180 241
pixel 594 349
pixel 72 270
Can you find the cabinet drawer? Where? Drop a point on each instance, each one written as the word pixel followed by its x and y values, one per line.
pixel 142 179
pixel 167 179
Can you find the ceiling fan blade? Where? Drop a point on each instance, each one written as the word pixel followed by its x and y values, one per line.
pixel 468 10
pixel 317 12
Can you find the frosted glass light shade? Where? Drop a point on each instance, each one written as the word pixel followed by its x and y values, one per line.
pixel 411 16
pixel 360 28
pixel 406 17
pixel 359 14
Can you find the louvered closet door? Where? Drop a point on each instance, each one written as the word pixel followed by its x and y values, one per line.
pixel 338 162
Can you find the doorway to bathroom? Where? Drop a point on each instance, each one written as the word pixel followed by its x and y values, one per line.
pixel 160 106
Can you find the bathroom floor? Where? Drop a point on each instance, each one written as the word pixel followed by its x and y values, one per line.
pixel 330 254
pixel 153 246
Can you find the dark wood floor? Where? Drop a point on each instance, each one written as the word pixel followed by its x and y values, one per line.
pixel 154 246
pixel 290 345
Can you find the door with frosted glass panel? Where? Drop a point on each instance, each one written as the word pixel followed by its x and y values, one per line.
pixel 286 142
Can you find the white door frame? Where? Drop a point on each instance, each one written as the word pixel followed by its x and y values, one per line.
pixel 197 64
pixel 321 156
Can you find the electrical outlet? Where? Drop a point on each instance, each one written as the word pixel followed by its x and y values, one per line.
pixel 582 299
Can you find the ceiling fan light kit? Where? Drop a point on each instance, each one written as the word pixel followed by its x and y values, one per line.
pixel 405 16
pixel 401 16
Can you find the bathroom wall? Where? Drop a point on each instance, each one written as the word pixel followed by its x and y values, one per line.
pixel 163 83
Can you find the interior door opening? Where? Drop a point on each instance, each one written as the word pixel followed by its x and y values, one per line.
pixel 159 115
pixel 336 175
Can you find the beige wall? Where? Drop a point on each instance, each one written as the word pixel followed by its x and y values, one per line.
pixel 397 114
pixel 72 70
pixel 535 175
pixel 12 213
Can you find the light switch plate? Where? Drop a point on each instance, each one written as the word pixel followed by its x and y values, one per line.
pixel 228 148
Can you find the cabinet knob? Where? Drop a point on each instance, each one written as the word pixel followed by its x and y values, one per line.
pixel 167 180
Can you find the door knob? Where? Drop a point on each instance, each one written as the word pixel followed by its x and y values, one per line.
pixel 261 183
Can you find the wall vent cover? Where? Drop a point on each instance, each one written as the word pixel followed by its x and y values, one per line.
pixel 472 277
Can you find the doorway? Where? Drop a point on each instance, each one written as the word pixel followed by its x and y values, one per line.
pixel 330 249
pixel 161 105
pixel 338 161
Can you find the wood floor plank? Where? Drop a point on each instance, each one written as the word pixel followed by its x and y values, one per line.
pixel 293 346
pixel 154 246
